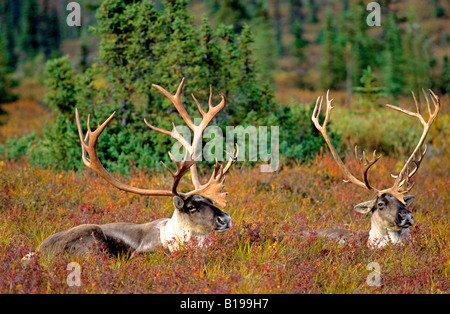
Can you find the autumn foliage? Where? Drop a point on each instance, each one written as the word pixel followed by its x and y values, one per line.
pixel 250 258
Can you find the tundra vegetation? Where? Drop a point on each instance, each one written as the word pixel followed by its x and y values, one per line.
pixel 36 202
pixel 45 189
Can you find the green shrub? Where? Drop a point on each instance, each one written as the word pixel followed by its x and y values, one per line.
pixel 60 81
pixel 16 148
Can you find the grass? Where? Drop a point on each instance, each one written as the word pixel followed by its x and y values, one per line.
pixel 37 202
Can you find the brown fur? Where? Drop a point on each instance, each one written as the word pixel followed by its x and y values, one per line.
pixel 194 217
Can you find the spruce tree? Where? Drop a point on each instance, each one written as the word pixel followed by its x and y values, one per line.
pixel 232 12
pixel 84 50
pixel 368 88
pixel 61 89
pixel 418 56
pixel 444 80
pixel 29 30
pixel 392 59
pixel 277 28
pixel 54 35
pixel 5 71
pixel 299 43
pixel 295 12
pixel 331 67
pixel 312 12
pixel 265 35
pixel 362 45
pixel 9 30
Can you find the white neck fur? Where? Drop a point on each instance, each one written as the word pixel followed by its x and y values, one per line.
pixel 380 236
pixel 177 231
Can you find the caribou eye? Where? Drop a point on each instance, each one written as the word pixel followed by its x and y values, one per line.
pixel 191 208
pixel 380 204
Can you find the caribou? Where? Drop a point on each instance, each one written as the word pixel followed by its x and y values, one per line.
pixel 196 213
pixel 391 219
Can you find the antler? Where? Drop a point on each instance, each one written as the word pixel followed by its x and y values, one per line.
pixel 182 168
pixel 89 146
pixel 212 189
pixel 364 162
pixel 403 184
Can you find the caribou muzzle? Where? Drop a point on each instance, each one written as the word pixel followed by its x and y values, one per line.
pixel 222 223
pixel 404 219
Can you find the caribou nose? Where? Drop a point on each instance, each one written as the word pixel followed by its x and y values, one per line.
pixel 224 221
pixel 406 218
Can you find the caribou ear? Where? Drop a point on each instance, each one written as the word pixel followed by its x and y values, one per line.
pixel 178 202
pixel 365 207
pixel 408 199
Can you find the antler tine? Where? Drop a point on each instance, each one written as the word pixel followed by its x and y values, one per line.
pixel 366 164
pixel 416 103
pixel 90 147
pixel 436 103
pixel 408 174
pixel 316 114
pixel 221 105
pixel 94 163
pixel 218 173
pixel 428 103
pixel 83 138
pixel 176 100
pixel 402 182
pixel 213 189
pixel 210 101
pixel 417 114
pixel 198 106
pixel 212 110
pixel 198 130
pixel 182 168
pixel 174 134
pixel 234 155
pixel 154 128
pixel 323 129
pixel 221 169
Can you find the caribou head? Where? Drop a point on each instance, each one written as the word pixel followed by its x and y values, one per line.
pixel 390 217
pixel 195 215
